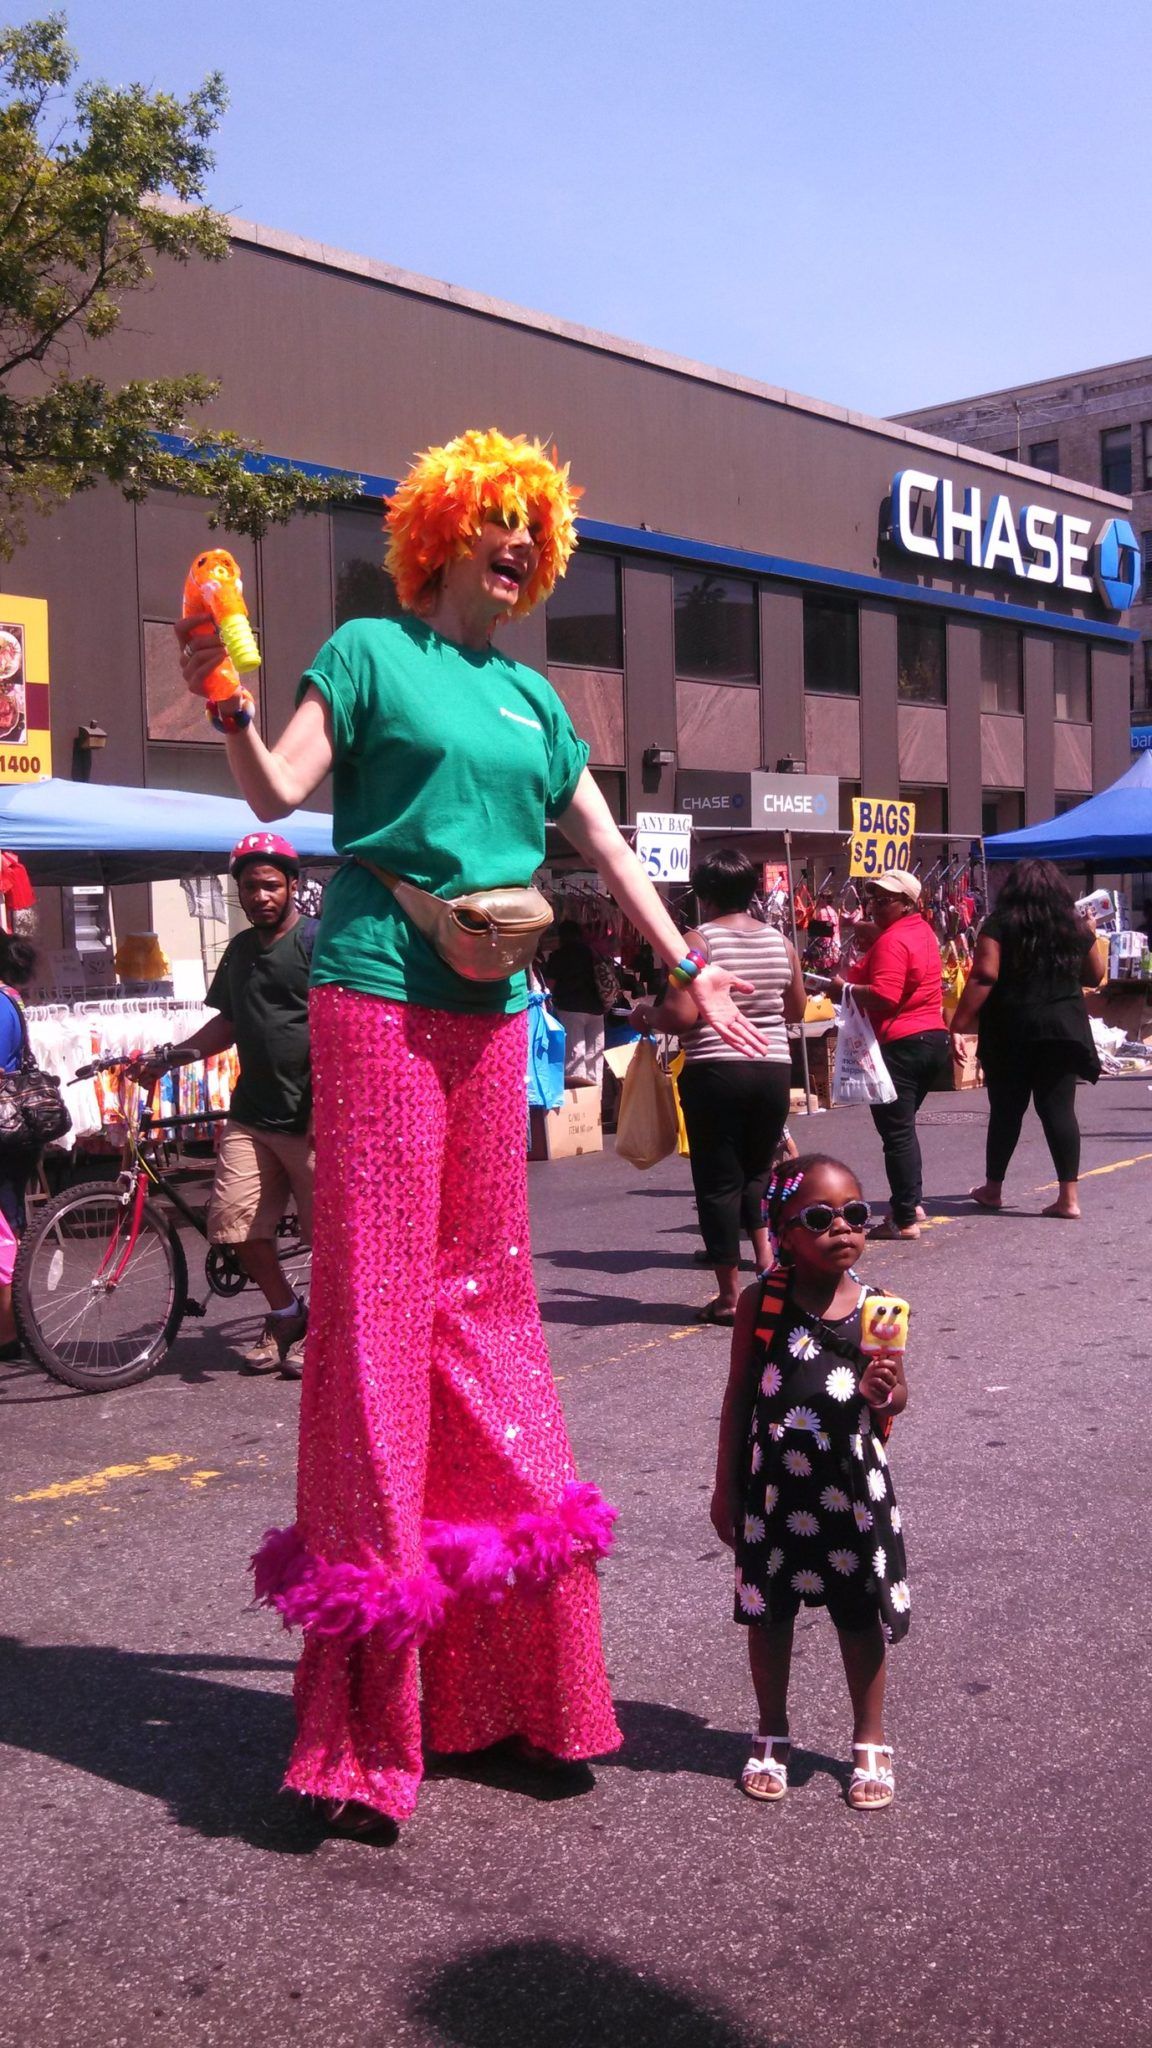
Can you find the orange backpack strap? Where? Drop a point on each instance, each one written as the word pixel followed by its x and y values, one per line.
pixel 773 1293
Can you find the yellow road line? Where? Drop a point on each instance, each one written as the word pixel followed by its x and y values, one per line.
pixel 1094 1172
pixel 95 1482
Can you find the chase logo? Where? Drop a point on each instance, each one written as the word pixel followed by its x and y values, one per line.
pixel 1118 569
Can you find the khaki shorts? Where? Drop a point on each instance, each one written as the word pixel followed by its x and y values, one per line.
pixel 258 1175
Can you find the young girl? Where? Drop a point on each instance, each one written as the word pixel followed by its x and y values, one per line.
pixel 803 1494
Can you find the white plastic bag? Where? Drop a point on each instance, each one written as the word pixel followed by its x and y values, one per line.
pixel 859 1073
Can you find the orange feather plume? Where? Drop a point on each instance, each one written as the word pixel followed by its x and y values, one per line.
pixel 436 514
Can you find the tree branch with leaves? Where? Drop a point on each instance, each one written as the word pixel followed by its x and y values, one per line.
pixel 88 177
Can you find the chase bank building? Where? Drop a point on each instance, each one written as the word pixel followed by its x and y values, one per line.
pixel 768 587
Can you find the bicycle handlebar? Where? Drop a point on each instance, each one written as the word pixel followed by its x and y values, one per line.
pixel 164 1056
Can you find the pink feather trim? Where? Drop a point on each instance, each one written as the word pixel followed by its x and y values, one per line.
pixel 348 1601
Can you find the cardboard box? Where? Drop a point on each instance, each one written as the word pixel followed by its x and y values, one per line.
pixel 968 1073
pixel 566 1132
pixel 821 1059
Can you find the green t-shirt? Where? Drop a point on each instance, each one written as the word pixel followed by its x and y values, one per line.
pixel 263 992
pixel 447 763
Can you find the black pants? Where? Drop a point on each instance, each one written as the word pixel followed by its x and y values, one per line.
pixel 735 1111
pixel 915 1064
pixel 1047 1076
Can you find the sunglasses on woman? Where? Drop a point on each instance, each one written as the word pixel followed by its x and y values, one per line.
pixel 820 1216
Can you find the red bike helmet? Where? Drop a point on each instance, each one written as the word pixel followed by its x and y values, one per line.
pixel 266 846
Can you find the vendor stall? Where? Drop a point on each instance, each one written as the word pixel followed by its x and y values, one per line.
pixel 76 832
pixel 1109 834
pixel 72 834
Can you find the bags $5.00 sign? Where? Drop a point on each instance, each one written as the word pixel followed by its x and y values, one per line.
pixel 664 845
pixel 882 831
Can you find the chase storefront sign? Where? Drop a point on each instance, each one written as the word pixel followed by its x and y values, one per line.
pixel 934 519
pixel 801 803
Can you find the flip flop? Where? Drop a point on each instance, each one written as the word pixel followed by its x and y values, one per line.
pixel 713 1313
pixel 993 1208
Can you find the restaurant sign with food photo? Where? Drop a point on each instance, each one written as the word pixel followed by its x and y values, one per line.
pixel 25 727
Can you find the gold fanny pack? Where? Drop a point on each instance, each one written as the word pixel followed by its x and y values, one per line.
pixel 482 937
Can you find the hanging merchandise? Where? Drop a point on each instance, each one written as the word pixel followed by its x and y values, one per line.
pixel 15 887
pixel 859 1073
pixel 954 971
pixel 65 1038
pixel 205 898
pixel 546 1052
pixel 647 1127
pixel 674 1073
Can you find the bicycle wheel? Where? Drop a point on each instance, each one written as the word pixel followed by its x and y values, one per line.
pixel 88 1317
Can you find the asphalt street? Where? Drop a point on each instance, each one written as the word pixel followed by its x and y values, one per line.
pixel 158 1889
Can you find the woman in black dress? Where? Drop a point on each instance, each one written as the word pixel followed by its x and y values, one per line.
pixel 1025 998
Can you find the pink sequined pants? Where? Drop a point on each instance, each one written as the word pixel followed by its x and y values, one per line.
pixel 427 1393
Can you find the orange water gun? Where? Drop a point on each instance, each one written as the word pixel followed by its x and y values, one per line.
pixel 213 584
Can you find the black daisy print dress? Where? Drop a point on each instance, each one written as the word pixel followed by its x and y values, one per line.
pixel 820 1524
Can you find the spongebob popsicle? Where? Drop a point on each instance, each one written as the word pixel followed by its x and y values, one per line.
pixel 883 1324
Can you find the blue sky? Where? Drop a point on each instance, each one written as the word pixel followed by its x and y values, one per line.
pixel 879 204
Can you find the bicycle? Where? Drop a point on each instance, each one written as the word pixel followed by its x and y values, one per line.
pixel 100 1287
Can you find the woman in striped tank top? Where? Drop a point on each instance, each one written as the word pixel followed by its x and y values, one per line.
pixel 735 1108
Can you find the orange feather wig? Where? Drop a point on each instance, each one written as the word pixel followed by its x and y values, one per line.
pixel 436 514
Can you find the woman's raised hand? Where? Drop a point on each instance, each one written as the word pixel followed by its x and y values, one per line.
pixel 199 657
pixel 712 993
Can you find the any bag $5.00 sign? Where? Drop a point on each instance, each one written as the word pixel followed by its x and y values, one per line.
pixel 882 832
pixel 664 845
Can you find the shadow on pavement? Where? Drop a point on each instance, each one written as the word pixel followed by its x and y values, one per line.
pixel 214 1753
pixel 522 1994
pixel 671 1740
pixel 600 1311
pixel 637 1261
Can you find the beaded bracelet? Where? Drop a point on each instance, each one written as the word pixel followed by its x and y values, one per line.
pixel 233 721
pixel 685 974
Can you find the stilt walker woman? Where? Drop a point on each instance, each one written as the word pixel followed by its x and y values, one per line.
pixel 442 1562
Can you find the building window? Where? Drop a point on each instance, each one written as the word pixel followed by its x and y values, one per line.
pixel 1146 559
pixel 361 585
pixel 931 801
pixel 1001 668
pixel 613 787
pixel 1008 454
pixel 1001 810
pixel 173 716
pixel 1116 460
pixel 831 647
pixel 920 663
pixel 1073 682
pixel 1142 683
pixel 584 619
pixel 1146 453
pixel 1067 802
pixel 1045 455
pixel 716 632
pixel 848 790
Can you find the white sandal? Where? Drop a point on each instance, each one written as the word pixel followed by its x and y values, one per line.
pixel 766 1777
pixel 876 1773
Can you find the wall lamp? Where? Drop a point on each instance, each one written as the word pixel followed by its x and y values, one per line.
pixel 659 757
pixel 90 738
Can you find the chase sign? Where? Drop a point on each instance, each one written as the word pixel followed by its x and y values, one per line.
pixel 1036 545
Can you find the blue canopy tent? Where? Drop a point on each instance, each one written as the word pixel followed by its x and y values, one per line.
pixel 75 832
pixel 1111 832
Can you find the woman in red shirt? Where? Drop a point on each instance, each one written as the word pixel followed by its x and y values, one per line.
pixel 898 984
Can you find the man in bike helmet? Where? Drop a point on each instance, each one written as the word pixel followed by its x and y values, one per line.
pixel 265 1161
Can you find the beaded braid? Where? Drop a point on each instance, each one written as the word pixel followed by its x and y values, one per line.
pixel 777 1195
